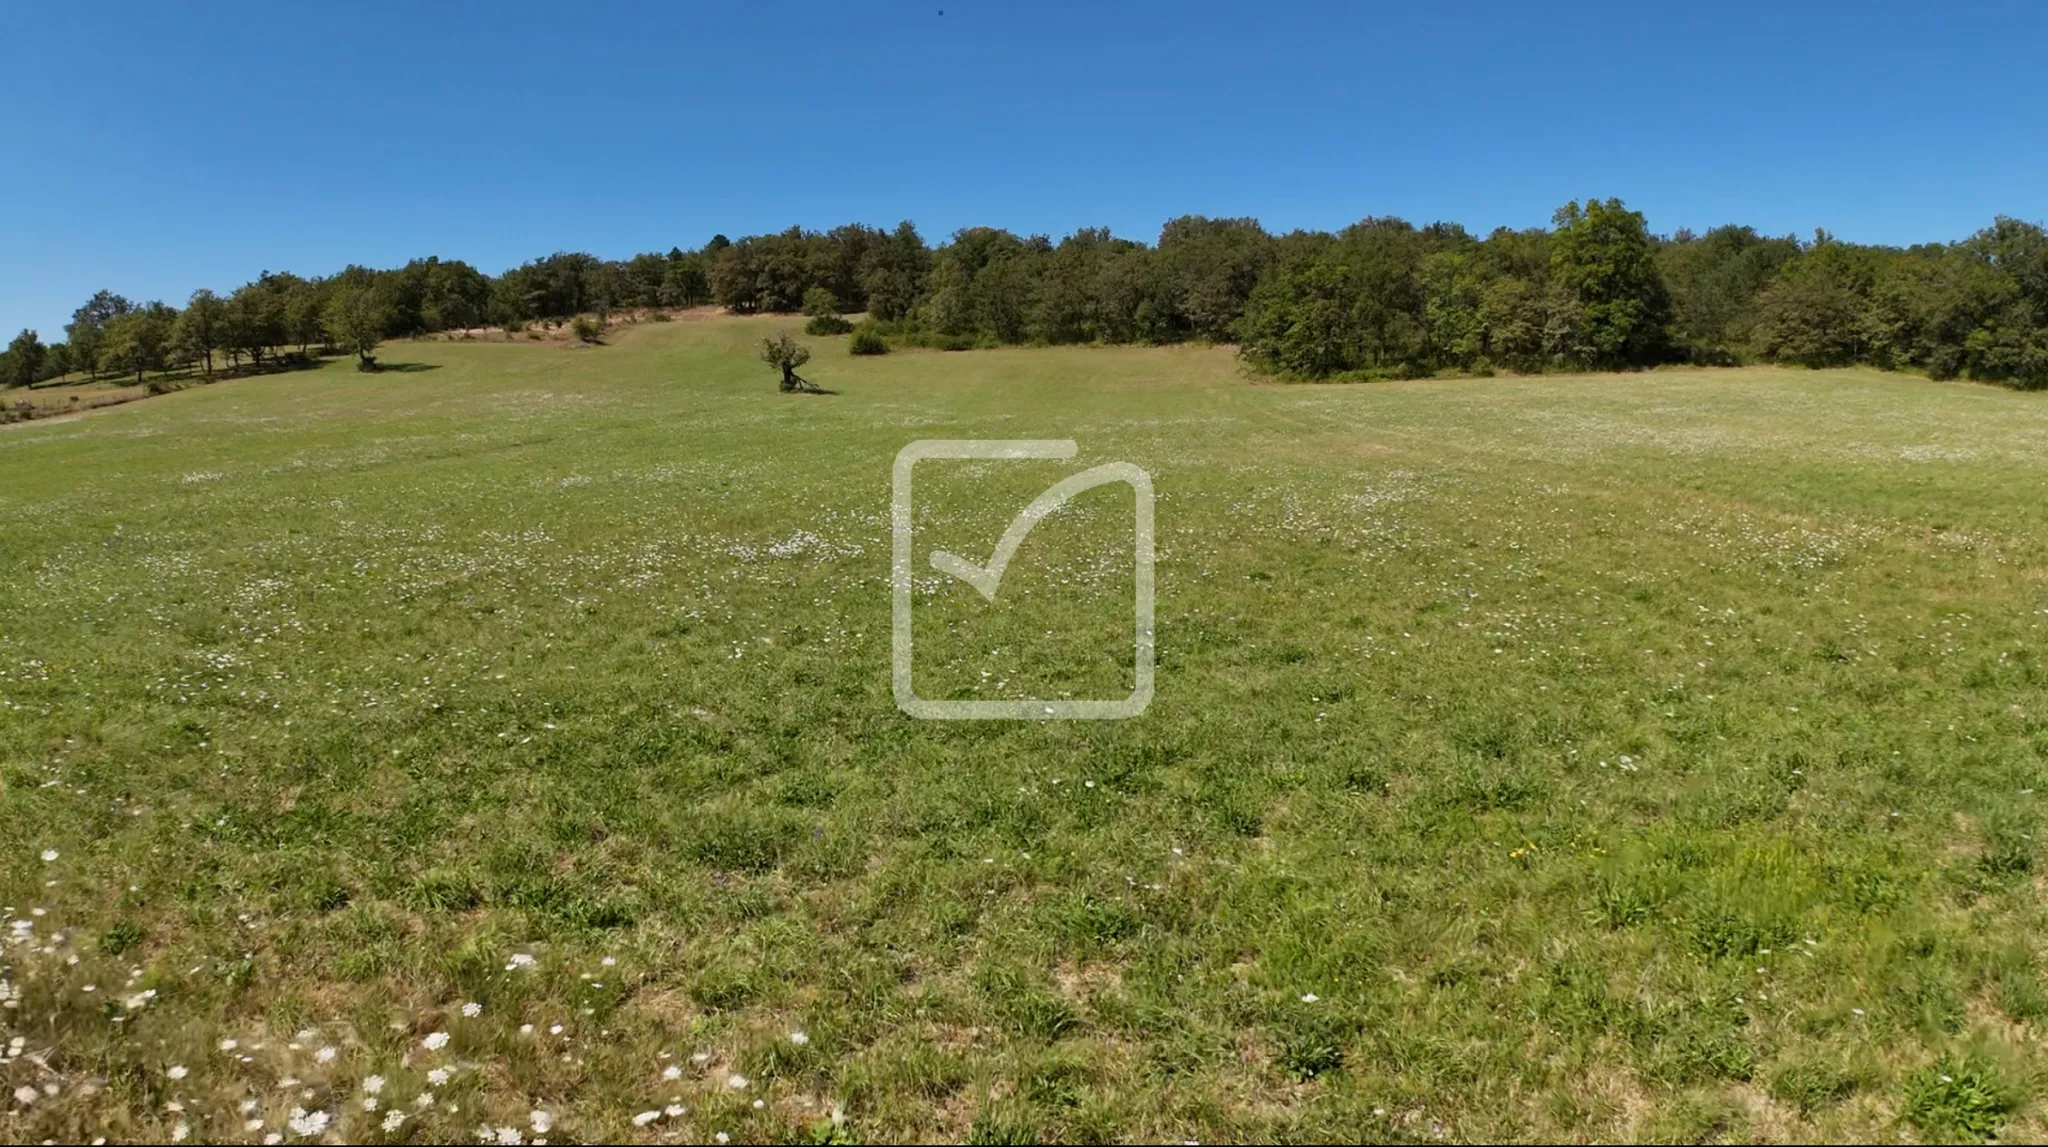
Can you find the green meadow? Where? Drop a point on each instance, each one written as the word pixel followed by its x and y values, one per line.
pixel 504 745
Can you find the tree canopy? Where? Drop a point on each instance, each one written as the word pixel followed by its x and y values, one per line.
pixel 1380 298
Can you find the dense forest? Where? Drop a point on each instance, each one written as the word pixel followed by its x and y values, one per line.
pixel 1381 298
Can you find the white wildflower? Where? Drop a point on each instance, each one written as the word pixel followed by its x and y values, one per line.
pixel 435 1041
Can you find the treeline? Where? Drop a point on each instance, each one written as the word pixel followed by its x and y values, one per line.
pixel 1381 298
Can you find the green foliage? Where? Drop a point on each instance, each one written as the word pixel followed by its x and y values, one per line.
pixel 783 352
pixel 253 320
pixel 820 302
pixel 1715 280
pixel 1379 299
pixel 201 327
pixel 867 341
pixel 1612 308
pixel 1311 1042
pixel 23 360
pixel 88 327
pixel 121 937
pixel 1954 1099
pixel 1813 314
pixel 138 340
pixel 785 355
pixel 586 329
pixel 357 316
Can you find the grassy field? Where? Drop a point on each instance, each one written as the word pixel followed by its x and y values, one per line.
pixel 505 745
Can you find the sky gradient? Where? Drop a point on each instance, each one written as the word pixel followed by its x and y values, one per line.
pixel 158 150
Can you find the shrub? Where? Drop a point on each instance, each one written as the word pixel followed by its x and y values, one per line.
pixel 820 302
pixel 827 325
pixel 867 341
pixel 586 329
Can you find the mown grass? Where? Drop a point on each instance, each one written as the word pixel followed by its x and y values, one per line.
pixel 1647 756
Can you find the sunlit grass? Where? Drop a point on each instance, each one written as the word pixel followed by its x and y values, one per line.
pixel 1587 757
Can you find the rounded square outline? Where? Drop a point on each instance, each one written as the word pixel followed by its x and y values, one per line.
pixel 900 572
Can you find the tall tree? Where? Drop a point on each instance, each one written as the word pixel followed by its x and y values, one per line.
pixel 1814 313
pixel 200 326
pixel 138 340
pixel 894 272
pixel 25 357
pixel 254 320
pixel 303 311
pixel 357 317
pixel 1208 268
pixel 1610 307
pixel 88 325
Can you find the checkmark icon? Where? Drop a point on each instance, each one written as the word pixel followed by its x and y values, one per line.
pixel 985 578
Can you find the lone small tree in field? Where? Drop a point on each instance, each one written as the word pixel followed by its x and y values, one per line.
pixel 356 318
pixel 787 354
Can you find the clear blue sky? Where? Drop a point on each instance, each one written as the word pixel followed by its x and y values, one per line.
pixel 152 149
